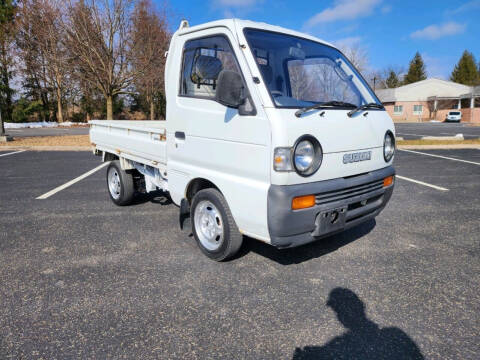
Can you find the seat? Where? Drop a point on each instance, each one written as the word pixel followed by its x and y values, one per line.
pixel 267 73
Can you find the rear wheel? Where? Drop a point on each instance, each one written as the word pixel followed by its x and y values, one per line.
pixel 213 226
pixel 120 184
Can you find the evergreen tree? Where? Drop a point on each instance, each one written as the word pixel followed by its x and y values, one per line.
pixel 392 80
pixel 416 71
pixel 466 72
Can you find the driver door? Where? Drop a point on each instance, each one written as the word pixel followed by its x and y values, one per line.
pixel 215 142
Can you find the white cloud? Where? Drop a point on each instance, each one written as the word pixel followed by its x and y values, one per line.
pixel 347 42
pixel 386 9
pixel 434 32
pixel 344 10
pixel 468 6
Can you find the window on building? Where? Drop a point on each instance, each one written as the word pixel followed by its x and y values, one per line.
pixel 417 109
pixel 398 109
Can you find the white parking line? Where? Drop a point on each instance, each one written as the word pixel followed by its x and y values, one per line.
pixel 441 157
pixel 71 182
pixel 421 183
pixel 15 152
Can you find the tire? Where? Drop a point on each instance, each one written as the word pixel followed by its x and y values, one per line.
pixel 213 226
pixel 119 184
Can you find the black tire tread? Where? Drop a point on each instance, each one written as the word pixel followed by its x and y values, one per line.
pixel 235 240
pixel 128 187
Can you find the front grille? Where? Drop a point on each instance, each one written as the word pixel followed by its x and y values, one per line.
pixel 347 193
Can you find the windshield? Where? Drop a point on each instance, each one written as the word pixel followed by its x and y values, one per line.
pixel 300 72
pixel 454 113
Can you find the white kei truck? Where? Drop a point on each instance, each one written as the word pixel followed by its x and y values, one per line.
pixel 269 133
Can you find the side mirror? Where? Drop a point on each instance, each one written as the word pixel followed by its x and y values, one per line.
pixel 231 90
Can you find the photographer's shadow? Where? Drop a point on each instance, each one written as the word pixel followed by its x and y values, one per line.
pixel 363 339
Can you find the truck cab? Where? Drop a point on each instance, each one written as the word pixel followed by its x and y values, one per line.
pixel 269 133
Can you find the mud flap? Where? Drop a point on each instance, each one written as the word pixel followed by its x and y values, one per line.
pixel 184 212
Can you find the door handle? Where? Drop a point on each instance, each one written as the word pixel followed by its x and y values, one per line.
pixel 179 135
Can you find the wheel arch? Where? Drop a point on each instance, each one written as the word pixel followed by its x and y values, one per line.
pixel 107 156
pixel 197 184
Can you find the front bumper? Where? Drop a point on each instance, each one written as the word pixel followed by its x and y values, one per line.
pixel 352 201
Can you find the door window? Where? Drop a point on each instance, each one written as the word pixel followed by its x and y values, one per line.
pixel 203 61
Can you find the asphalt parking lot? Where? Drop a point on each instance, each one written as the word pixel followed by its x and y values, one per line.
pixel 83 278
pixel 418 130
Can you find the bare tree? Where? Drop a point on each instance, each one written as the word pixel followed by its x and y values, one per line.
pixel 99 39
pixel 151 36
pixel 357 55
pixel 43 45
pixel 300 82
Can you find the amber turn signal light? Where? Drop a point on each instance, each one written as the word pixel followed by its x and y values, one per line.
pixel 303 202
pixel 388 181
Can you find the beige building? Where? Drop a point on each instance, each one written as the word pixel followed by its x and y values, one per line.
pixel 431 99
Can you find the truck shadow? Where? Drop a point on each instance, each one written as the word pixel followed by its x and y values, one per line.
pixel 309 251
pixel 363 339
pixel 156 197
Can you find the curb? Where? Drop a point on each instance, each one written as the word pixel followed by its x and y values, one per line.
pixel 456 137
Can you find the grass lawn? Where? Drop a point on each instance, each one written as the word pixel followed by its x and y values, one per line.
pixel 66 140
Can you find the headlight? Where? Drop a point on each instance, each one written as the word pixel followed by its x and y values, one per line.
pixel 388 146
pixel 304 154
pixel 307 155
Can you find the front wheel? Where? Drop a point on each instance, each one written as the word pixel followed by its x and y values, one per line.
pixel 213 226
pixel 120 184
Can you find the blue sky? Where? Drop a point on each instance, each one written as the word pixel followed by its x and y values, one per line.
pixel 390 31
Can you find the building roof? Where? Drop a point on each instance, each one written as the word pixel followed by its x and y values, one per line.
pixel 422 90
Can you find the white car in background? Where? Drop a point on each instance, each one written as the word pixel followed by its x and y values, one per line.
pixel 454 116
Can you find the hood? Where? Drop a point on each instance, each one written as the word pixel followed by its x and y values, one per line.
pixel 338 134
pixel 335 130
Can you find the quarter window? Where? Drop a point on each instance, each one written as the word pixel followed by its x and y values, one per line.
pixel 398 109
pixel 417 109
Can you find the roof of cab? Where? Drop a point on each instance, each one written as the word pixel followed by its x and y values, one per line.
pixel 233 23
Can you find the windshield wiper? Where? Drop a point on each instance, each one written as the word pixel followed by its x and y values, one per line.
pixel 366 106
pixel 322 105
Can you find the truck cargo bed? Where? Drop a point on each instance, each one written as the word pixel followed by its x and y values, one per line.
pixel 141 141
